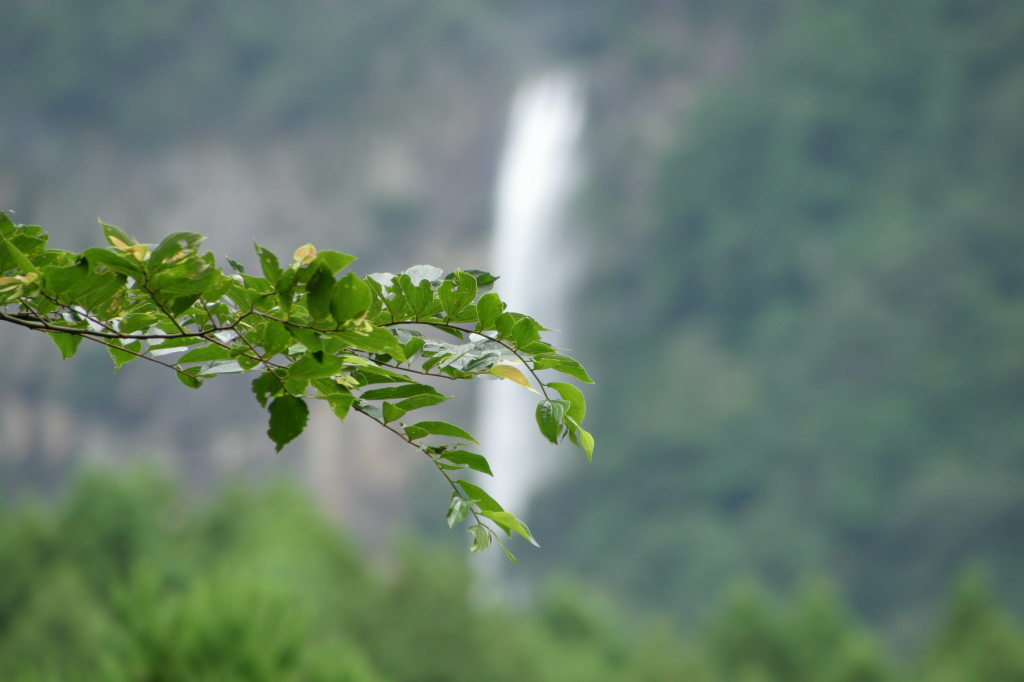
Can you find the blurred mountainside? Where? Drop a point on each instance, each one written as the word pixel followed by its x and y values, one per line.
pixel 129 580
pixel 818 357
pixel 805 300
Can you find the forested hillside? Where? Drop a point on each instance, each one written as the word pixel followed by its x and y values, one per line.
pixel 128 580
pixel 802 224
pixel 820 362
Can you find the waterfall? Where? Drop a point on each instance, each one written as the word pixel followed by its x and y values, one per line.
pixel 535 179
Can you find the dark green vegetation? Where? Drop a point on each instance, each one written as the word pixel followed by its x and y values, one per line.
pixel 817 288
pixel 826 370
pixel 126 581
pixel 153 73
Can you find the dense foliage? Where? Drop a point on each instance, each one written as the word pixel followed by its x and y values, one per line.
pixel 127 580
pixel 155 71
pixel 308 334
pixel 827 372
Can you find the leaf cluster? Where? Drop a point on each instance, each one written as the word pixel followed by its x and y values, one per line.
pixel 310 332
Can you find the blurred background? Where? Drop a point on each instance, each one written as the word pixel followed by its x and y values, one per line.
pixel 791 256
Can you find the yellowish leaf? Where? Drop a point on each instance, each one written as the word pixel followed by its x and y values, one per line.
pixel 305 254
pixel 140 251
pixel 512 374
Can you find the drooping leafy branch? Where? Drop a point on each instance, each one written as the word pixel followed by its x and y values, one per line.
pixel 361 344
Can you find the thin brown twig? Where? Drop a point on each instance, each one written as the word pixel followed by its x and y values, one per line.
pixel 408 440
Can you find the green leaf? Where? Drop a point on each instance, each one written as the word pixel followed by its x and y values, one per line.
pixel 31 241
pixel 446 295
pixel 274 338
pixel 484 280
pixel 508 554
pixel 101 294
pixel 587 441
pixel 308 367
pixel 445 429
pixel 257 284
pixel 537 348
pixel 176 306
pixel 246 362
pixel 563 364
pixel 483 500
pixel 188 278
pixel 123 357
pixel 481 538
pixel 205 354
pixel 172 245
pixel 288 417
pixel 467 287
pixel 189 379
pixel 425 400
pixel 271 267
pixel 124 265
pixel 14 254
pixel 218 286
pixel 7 228
pixel 350 299
pixel 471 459
pixel 415 432
pixel 318 292
pixel 379 341
pixel 396 392
pixel 453 299
pixel 454 332
pixel 487 311
pixel 391 412
pixel 336 260
pixel 379 375
pixel 285 288
pixel 510 522
pixel 238 268
pixel 577 405
pixel 549 417
pixel 504 324
pixel 266 385
pixel 458 508
pixel 340 404
pixel 467 314
pixel 67 343
pixel 115 233
pixel 63 283
pixel 328 386
pixel 418 296
pixel 137 321
pixel 450 467
pixel 307 337
pixel 414 346
pixel 525 332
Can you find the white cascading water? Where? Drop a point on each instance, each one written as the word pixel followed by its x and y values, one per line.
pixel 537 175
